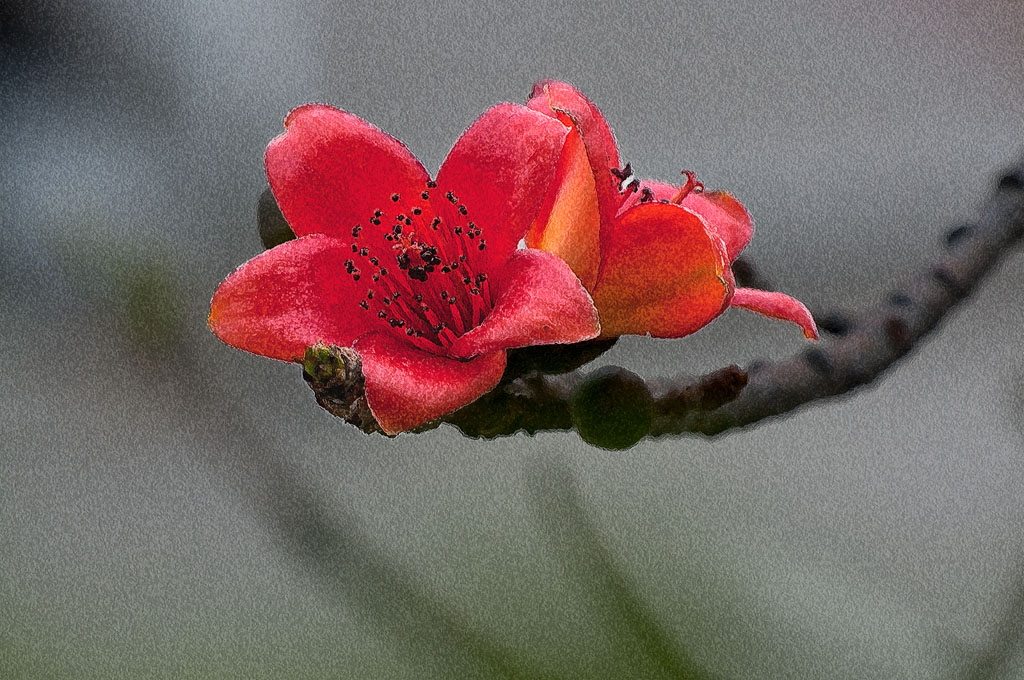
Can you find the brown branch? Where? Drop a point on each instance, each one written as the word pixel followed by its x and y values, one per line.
pixel 864 345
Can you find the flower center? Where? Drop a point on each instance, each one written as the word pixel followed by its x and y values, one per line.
pixel 421 279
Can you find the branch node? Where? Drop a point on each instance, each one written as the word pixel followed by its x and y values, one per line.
pixel 819 361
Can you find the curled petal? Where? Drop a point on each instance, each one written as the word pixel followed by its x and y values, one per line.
pixel 662 272
pixel 571 107
pixel 289 298
pixel 720 209
pixel 406 387
pixel 726 216
pixel 777 306
pixel 330 170
pixel 569 224
pixel 539 301
pixel 500 170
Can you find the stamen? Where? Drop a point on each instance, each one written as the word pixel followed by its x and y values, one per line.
pixel 432 292
pixel 692 185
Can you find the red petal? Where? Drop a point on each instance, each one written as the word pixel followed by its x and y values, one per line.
pixel 662 273
pixel 777 306
pixel 569 224
pixel 720 210
pixel 539 301
pixel 726 216
pixel 406 386
pixel 500 169
pixel 330 170
pixel 660 191
pixel 573 108
pixel 288 298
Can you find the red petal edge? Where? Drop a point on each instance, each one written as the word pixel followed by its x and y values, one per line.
pixel 500 169
pixel 663 273
pixel 722 212
pixel 407 387
pixel 573 108
pixel 777 306
pixel 289 298
pixel 331 169
pixel 539 302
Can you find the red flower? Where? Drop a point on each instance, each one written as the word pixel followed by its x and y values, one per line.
pixel 423 279
pixel 655 257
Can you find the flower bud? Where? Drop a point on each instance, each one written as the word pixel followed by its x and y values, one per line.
pixel 612 409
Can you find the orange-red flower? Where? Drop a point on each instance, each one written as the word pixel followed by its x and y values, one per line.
pixel 422 278
pixel 655 257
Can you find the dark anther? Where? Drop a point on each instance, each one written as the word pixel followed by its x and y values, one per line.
pixel 480 278
pixel 375 220
pixel 410 332
pixel 431 184
pixel 418 297
pixel 959 234
pixel 394 197
pixel 355 277
pixel 634 185
pixel 382 314
pixel 458 231
pixel 417 274
pixel 374 261
pixel 819 361
pixel 452 198
pixel 463 210
pixel 376 277
pixel 417 211
pixel 465 280
pixel 646 195
pixel 835 323
pixel 383 271
pixel 397 229
pixel 408 221
pixel 369 294
pixel 389 237
pixel 471 234
pixel 355 231
pixel 425 195
pixel 364 304
pixel 444 295
pixel 428 254
pixel 482 244
pixel 364 251
pixel 403 261
pixel 355 248
pixel 901 300
pixel 898 332
pixel 445 269
pixel 622 174
pixel 1011 180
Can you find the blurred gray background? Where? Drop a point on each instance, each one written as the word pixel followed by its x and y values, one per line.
pixel 174 517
